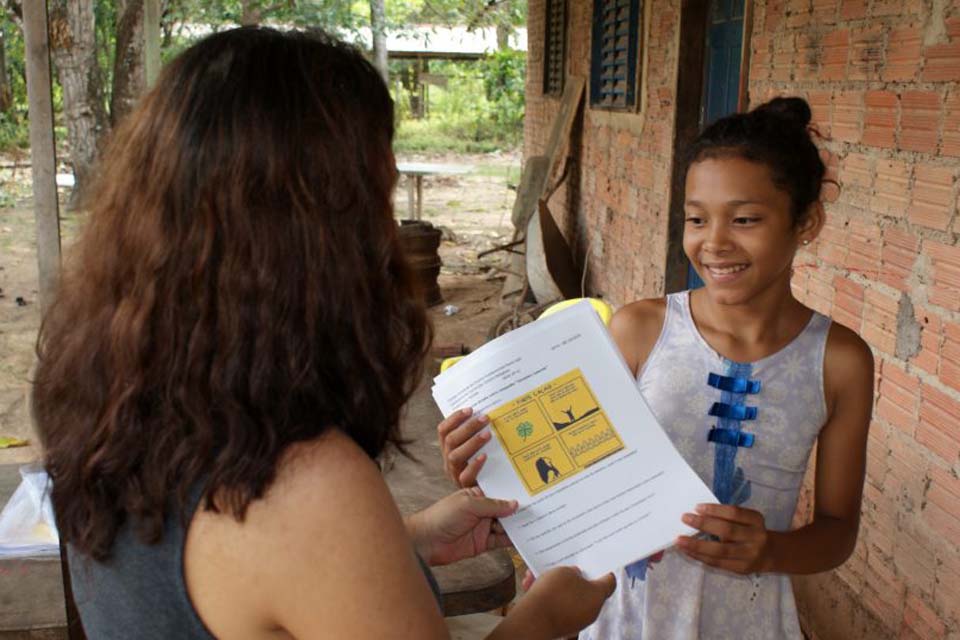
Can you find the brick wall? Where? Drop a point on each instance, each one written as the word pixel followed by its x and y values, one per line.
pixel 614 211
pixel 883 77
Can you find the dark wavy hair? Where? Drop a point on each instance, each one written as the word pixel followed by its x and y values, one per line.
pixel 776 134
pixel 239 287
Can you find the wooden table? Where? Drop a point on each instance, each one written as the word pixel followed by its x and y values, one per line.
pixel 479 584
pixel 414 171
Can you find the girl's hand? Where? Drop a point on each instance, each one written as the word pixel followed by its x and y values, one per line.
pixel 461 525
pixel 462 435
pixel 743 545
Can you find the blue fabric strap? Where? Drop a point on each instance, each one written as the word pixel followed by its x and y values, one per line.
pixel 731 437
pixel 733 411
pixel 734 385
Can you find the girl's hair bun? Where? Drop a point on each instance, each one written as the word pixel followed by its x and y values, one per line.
pixel 794 110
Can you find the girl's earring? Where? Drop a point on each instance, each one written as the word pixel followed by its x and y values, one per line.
pixel 806 242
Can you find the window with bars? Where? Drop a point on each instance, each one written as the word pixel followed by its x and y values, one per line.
pixel 616 45
pixel 554 47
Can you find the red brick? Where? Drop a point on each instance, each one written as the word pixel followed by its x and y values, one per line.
pixel 866 53
pixel 933 199
pixel 939 422
pixel 883 302
pixel 835 49
pixel 847 115
pixel 825 11
pixel 945 290
pixel 886 7
pixel 920 618
pixel 905 453
pixel 902 239
pixel 878 337
pixel 896 265
pixel 942 523
pixel 944 491
pixel 857 170
pixel 916 563
pixel 784 58
pixel 892 188
pixel 853 9
pixel 942 62
pixel 937 442
pixel 798 13
pixel 950 140
pixel 896 416
pixel 920 121
pixel 950 374
pixel 880 121
pixel 940 252
pixel 760 58
pixel 820 102
pixel 903 55
pixel 948 586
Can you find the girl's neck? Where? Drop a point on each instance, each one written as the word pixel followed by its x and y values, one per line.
pixel 766 321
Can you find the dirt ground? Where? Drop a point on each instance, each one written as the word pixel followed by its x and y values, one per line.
pixel 473 210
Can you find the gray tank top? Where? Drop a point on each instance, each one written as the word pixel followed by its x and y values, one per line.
pixel 747 429
pixel 140 590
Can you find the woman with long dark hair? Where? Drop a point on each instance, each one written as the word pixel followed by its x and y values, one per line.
pixel 232 343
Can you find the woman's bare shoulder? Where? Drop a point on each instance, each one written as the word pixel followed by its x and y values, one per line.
pixel 311 545
pixel 635 328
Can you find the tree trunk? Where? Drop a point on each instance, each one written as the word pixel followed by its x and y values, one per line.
pixel 503 36
pixel 129 78
pixel 250 15
pixel 6 96
pixel 73 46
pixel 378 26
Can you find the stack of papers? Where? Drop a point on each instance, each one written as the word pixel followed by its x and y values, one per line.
pixel 598 481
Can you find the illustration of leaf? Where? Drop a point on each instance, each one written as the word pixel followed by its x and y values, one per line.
pixel 525 429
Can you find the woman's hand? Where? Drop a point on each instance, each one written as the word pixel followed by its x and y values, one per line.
pixel 462 435
pixel 566 601
pixel 459 526
pixel 743 545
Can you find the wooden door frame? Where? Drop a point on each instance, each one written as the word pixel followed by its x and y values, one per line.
pixel 694 22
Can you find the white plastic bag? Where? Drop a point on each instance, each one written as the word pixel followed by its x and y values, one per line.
pixel 27 525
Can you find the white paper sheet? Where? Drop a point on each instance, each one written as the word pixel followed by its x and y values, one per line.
pixel 599 483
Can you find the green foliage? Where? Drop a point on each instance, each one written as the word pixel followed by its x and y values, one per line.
pixel 504 80
pixel 480 110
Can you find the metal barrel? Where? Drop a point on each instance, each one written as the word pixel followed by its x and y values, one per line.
pixel 420 241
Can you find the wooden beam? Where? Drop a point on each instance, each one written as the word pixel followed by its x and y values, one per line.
pixel 151 40
pixel 42 150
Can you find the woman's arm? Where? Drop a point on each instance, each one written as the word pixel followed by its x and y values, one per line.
pixel 745 545
pixel 326 554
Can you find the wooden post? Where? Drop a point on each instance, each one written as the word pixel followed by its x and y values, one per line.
pixel 151 40
pixel 42 151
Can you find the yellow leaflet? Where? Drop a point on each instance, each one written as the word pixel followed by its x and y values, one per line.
pixel 555 431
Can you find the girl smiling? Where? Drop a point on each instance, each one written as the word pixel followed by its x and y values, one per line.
pixel 745 379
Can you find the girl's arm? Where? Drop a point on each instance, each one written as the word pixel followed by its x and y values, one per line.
pixel 829 540
pixel 745 545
